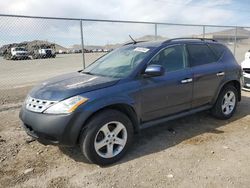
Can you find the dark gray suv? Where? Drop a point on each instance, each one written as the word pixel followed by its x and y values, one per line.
pixel 133 87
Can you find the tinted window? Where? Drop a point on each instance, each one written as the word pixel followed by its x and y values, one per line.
pixel 217 49
pixel 200 54
pixel 172 58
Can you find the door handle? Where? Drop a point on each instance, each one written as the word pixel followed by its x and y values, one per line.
pixel 220 74
pixel 188 80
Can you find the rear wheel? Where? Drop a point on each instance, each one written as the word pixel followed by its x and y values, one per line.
pixel 226 103
pixel 35 57
pixel 107 137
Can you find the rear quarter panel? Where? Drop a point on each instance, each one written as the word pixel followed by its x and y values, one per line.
pixel 233 71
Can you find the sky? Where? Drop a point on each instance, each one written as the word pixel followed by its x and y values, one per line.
pixel 67 33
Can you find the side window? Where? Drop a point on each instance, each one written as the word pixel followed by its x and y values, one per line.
pixel 172 58
pixel 200 54
pixel 217 49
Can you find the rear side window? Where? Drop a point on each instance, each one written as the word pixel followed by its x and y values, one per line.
pixel 200 54
pixel 217 49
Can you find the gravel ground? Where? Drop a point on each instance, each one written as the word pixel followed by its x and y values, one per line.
pixel 195 151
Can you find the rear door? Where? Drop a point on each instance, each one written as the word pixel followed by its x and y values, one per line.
pixel 208 72
pixel 171 92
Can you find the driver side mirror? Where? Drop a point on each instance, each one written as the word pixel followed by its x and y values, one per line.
pixel 154 70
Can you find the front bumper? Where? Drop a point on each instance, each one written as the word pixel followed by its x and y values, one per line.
pixel 18 56
pixel 53 129
pixel 246 82
pixel 46 55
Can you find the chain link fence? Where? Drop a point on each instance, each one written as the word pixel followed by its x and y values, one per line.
pixel 33 49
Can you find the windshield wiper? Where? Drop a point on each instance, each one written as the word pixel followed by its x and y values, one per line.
pixel 89 73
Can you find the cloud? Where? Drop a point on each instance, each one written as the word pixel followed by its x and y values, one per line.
pixel 213 3
pixel 146 10
pixel 67 32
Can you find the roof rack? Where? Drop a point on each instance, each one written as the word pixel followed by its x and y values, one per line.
pixel 134 42
pixel 189 38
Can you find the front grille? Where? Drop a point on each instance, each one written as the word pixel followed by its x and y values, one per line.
pixel 246 82
pixel 21 54
pixel 38 105
pixel 48 52
pixel 246 70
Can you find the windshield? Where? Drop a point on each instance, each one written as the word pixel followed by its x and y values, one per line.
pixel 20 49
pixel 118 63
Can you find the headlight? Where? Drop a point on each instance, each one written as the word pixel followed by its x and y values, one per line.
pixel 66 106
pixel 27 100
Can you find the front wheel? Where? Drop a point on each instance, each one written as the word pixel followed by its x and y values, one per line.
pixel 226 103
pixel 107 137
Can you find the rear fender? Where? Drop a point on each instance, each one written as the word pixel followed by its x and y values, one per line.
pixel 223 85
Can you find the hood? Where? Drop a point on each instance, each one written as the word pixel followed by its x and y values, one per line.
pixel 246 62
pixel 247 56
pixel 68 85
pixel 23 52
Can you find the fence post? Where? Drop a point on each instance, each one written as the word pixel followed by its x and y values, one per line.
pixel 155 31
pixel 204 31
pixel 235 40
pixel 82 43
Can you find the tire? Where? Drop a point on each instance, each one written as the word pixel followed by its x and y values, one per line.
pixel 99 133
pixel 34 56
pixel 227 97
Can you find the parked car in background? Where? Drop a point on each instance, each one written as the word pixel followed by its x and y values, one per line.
pixel 131 88
pixel 76 51
pixel 15 53
pixel 246 71
pixel 60 51
pixel 39 51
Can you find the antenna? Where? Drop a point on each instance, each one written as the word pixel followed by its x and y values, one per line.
pixel 134 41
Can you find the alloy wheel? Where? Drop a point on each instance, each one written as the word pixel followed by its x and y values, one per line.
pixel 110 139
pixel 228 103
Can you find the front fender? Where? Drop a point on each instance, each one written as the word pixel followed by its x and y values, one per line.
pixel 86 111
pixel 96 105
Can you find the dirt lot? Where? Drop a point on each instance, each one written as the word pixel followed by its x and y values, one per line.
pixel 196 151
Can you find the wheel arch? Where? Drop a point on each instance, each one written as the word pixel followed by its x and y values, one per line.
pixel 235 83
pixel 127 109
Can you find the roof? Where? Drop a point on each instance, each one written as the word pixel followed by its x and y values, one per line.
pixel 155 44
